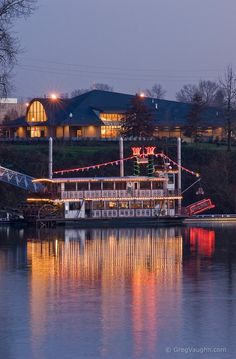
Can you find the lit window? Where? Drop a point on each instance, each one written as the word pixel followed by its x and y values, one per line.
pixel 36 112
pixel 37 131
pixel 112 204
pixel 110 131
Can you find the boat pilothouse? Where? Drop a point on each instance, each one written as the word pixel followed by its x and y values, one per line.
pixel 114 197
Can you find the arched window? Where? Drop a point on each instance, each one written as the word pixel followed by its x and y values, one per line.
pixel 36 112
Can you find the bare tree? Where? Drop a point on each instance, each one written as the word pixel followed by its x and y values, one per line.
pixel 208 90
pixel 101 86
pixel 157 91
pixel 95 86
pixel 9 45
pixel 228 87
pixel 11 115
pixel 64 95
pixel 78 92
pixel 186 93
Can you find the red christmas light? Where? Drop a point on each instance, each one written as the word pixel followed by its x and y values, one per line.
pixel 176 164
pixel 150 151
pixel 93 166
pixel 136 151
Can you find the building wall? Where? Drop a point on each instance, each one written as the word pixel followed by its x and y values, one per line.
pixel 91 131
pixel 59 132
pixel 21 132
pixel 66 132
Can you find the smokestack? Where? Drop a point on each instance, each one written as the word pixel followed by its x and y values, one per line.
pixel 121 144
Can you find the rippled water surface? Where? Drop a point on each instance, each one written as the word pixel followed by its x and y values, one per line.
pixel 118 293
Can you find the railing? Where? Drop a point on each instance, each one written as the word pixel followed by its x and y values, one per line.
pixel 117 194
pixel 19 180
pixel 88 140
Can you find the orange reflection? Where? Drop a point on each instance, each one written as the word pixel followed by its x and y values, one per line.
pixel 146 261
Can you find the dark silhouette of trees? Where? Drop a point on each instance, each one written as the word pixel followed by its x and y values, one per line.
pixel 194 116
pixel 210 92
pixel 156 91
pixel 138 120
pixel 95 86
pixel 78 92
pixel 9 44
pixel 101 86
pixel 228 87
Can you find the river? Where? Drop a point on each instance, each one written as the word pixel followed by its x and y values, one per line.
pixel 118 293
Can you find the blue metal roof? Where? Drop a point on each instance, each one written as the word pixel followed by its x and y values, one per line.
pixel 84 110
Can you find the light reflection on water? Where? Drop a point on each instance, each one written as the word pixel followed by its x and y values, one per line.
pixel 116 293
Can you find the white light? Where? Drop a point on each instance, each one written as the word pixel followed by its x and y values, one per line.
pixel 54 96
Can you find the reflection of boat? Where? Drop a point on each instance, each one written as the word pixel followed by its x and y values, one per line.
pixel 7 217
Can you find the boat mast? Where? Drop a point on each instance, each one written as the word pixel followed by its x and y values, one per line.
pixel 179 173
pixel 50 159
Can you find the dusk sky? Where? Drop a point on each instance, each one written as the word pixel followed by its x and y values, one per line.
pixel 128 44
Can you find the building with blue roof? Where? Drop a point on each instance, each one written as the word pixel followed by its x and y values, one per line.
pixel 98 114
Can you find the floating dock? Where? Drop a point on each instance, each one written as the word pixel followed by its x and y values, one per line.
pixel 211 218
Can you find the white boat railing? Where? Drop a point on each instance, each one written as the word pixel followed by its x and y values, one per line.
pixel 149 194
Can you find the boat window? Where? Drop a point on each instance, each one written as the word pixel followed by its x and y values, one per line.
pixel 145 185
pixel 170 178
pixel 82 186
pixel 108 185
pixel 120 185
pixel 112 204
pixel 148 204
pixel 70 186
pixel 74 206
pixel 171 204
pixel 98 205
pixel 124 204
pixel 157 185
pixel 95 186
pixel 137 204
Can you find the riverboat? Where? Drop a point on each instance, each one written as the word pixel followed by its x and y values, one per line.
pixel 130 197
pixel 153 198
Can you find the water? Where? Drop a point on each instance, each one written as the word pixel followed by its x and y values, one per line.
pixel 127 293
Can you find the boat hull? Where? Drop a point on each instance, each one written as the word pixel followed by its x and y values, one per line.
pixel 116 222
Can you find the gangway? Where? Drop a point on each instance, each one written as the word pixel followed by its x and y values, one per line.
pixel 19 180
pixel 199 207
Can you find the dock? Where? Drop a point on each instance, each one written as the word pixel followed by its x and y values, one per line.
pixel 210 218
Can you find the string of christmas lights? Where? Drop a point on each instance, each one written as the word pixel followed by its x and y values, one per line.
pixel 116 162
pixel 82 169
pixel 176 164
